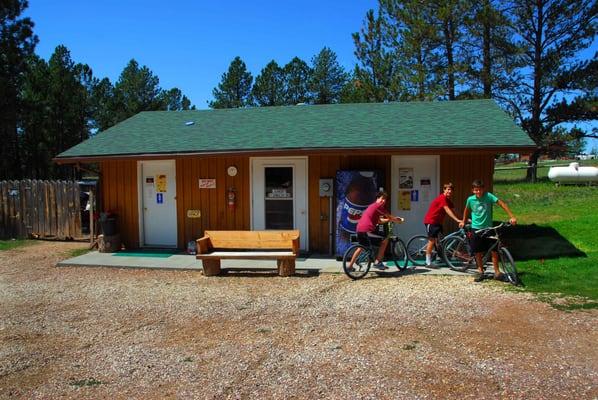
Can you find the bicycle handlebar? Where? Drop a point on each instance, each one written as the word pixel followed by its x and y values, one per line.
pixel 493 228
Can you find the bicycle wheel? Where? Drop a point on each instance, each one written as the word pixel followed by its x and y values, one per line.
pixel 416 250
pixel 398 253
pixel 506 265
pixel 455 252
pixel 362 263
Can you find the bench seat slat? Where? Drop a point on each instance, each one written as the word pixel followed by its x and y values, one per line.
pixel 258 255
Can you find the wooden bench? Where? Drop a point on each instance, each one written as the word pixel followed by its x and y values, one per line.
pixel 282 246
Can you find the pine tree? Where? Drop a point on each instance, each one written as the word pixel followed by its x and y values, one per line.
pixel 268 89
pixel 17 43
pixel 378 72
pixel 328 78
pixel 410 30
pixel 552 34
pixel 297 75
pixel 234 89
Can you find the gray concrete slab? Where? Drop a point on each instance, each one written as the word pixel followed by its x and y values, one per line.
pixel 188 262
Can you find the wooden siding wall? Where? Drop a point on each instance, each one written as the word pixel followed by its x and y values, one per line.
pixel 212 203
pixel 461 170
pixel 119 195
pixel 119 191
pixel 325 166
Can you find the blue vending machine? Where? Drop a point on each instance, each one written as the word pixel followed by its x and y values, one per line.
pixel 355 191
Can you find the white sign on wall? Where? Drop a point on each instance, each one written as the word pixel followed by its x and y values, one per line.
pixel 207 183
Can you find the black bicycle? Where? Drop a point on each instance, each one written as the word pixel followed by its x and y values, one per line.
pixel 365 256
pixel 452 249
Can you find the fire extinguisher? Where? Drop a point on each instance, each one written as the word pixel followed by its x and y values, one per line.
pixel 231 198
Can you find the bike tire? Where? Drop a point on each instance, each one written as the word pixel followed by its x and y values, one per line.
pixel 456 254
pixel 416 250
pixel 398 253
pixel 507 266
pixel 362 264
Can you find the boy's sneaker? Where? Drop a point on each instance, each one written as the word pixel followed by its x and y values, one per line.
pixel 350 269
pixel 478 277
pixel 380 266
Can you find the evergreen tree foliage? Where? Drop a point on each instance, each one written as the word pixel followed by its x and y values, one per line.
pixel 67 105
pixel 410 30
pixel 137 89
pixel 552 34
pixel 492 56
pixel 297 75
pixel 378 70
pixel 234 89
pixel 17 43
pixel 328 78
pixel 268 89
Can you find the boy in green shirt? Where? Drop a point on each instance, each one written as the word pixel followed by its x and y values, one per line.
pixel 480 206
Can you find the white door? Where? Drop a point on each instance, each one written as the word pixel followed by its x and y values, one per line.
pixel 279 195
pixel 158 203
pixel 414 186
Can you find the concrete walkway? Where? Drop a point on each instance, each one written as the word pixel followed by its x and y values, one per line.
pixel 311 264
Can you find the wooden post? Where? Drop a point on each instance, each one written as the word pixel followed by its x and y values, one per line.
pixel 91 231
pixel 286 267
pixel 211 267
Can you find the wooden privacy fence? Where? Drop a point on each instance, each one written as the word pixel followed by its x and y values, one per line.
pixel 32 208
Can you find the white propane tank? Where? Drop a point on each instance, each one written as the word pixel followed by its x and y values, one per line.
pixel 573 174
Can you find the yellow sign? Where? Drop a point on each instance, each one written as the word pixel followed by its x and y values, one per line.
pixel 193 214
pixel 405 200
pixel 161 184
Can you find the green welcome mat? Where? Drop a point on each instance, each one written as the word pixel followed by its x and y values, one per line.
pixel 146 253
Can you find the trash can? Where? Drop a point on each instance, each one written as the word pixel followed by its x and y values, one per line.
pixel 108 225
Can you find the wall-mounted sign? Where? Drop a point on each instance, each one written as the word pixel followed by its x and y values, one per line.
pixel 193 214
pixel 159 198
pixel 405 200
pixel 414 195
pixel 205 183
pixel 405 178
pixel 161 184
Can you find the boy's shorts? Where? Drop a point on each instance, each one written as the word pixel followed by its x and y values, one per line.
pixel 367 238
pixel 433 230
pixel 480 243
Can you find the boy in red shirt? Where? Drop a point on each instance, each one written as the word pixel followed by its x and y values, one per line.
pixel 439 208
pixel 373 215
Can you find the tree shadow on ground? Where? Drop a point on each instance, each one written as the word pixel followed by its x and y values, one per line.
pixel 532 242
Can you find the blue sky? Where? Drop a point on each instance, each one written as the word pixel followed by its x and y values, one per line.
pixel 190 44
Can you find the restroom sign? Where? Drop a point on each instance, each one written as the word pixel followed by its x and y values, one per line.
pixel 415 195
pixel 159 198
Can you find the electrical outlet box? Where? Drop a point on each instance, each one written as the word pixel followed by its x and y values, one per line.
pixel 326 187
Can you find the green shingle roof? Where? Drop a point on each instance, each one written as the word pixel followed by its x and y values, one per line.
pixel 447 124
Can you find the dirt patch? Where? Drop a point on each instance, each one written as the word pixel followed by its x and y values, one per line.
pixel 116 333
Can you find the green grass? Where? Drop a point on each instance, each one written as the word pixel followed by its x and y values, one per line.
pixel 13 244
pixel 556 248
pixel 78 252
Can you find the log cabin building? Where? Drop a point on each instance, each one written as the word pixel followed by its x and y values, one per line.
pixel 171 175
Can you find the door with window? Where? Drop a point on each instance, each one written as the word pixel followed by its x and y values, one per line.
pixel 279 195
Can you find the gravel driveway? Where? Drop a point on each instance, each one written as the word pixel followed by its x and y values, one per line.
pixel 111 333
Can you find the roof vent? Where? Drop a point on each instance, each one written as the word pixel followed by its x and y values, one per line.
pixel 189 123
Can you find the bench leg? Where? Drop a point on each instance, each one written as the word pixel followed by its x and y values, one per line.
pixel 286 267
pixel 211 267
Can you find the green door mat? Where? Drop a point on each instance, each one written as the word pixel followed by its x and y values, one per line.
pixel 146 253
